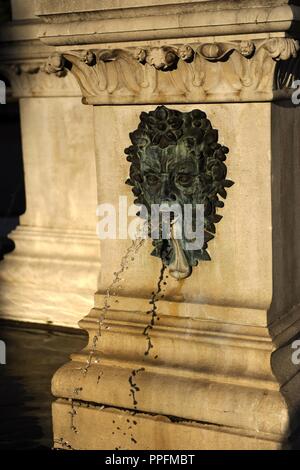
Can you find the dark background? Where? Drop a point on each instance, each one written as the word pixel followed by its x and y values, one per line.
pixel 12 189
pixel 33 353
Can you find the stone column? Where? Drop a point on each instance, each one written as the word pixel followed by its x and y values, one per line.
pixel 52 274
pixel 220 374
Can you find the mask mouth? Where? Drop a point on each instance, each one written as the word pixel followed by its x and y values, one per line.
pixel 179 267
pixel 167 206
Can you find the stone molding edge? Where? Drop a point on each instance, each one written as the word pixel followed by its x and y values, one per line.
pixel 100 24
pixel 258 70
pixel 59 308
pixel 160 382
pixel 188 434
pixel 57 252
pixel 207 338
pixel 240 315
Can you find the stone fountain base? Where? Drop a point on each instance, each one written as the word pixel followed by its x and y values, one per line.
pixel 122 429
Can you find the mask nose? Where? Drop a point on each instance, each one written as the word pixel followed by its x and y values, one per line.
pixel 166 192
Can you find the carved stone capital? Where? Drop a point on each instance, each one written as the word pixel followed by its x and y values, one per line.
pixel 203 72
pixel 29 79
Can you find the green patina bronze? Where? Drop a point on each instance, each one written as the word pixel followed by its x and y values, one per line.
pixel 176 158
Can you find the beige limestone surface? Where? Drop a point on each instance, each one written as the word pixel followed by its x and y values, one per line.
pixel 212 342
pixel 119 429
pixel 240 273
pixel 220 366
pixel 23 9
pixel 109 22
pixel 59 163
pixel 52 274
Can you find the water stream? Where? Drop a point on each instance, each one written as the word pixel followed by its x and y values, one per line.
pixel 155 297
pixel 112 291
pixel 93 358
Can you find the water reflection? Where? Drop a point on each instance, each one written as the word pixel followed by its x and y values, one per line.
pixel 33 355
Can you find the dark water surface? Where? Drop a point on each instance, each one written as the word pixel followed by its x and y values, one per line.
pixel 33 355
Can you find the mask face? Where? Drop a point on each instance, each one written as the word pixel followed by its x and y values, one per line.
pixel 169 175
pixel 176 161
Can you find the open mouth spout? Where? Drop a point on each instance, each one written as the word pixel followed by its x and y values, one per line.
pixel 179 267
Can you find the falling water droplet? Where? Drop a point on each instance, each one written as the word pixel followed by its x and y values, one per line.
pixel 155 297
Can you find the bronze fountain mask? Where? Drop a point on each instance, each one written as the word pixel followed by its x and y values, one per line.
pixel 176 159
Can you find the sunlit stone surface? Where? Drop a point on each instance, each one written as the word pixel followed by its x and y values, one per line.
pixel 210 367
pixel 52 275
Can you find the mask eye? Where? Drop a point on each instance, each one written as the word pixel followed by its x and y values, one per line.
pixel 184 179
pixel 152 180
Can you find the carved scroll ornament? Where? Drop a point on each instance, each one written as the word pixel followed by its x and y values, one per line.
pixel 206 72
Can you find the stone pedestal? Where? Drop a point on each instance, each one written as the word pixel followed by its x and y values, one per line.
pixel 52 274
pixel 220 374
pixel 210 369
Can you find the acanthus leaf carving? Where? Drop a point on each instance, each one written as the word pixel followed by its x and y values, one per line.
pixel 33 78
pixel 282 48
pixel 217 71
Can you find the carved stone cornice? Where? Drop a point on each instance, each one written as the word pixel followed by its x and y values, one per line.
pixel 28 79
pixel 22 61
pixel 260 70
pixel 85 22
